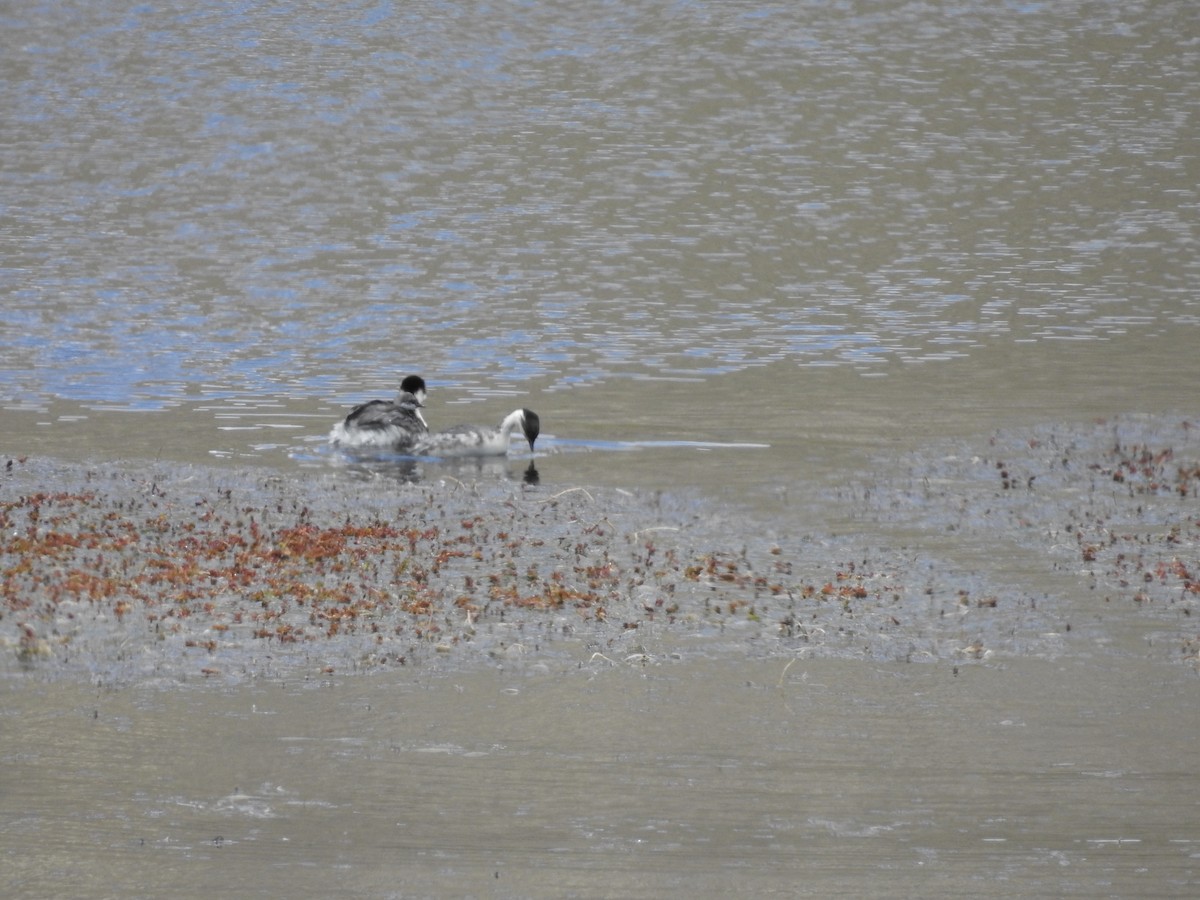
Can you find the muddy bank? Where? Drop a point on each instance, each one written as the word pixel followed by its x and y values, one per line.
pixel 1060 540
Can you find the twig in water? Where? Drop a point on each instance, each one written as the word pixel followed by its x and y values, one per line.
pixel 474 488
pixel 638 534
pixel 568 491
pixel 783 674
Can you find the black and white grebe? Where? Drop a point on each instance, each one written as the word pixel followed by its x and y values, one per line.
pixel 473 440
pixel 386 424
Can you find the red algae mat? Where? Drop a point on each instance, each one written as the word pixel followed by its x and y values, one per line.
pixel 182 571
pixel 1026 545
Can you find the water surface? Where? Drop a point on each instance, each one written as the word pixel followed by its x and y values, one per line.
pixel 866 236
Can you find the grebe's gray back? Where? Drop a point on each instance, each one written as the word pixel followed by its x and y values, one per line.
pixel 386 424
pixel 475 440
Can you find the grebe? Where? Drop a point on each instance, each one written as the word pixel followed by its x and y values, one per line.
pixel 472 440
pixel 386 424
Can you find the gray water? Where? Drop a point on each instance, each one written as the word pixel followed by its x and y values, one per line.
pixel 1046 779
pixel 850 232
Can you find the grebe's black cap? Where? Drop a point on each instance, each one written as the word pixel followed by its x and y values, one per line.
pixel 413 383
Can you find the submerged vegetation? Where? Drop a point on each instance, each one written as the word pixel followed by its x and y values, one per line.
pixel 121 573
pixel 154 563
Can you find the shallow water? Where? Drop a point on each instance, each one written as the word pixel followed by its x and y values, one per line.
pixel 1031 778
pixel 256 217
pixel 867 238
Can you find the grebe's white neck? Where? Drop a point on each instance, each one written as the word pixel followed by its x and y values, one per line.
pixel 526 420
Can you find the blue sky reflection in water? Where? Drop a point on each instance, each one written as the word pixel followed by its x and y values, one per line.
pixel 206 203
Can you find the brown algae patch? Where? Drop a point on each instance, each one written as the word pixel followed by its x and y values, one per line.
pixel 173 572
pixel 1018 548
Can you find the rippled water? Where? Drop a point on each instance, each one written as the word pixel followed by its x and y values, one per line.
pixel 677 229
pixel 210 202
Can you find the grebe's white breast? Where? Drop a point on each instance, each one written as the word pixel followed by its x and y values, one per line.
pixel 385 424
pixel 475 440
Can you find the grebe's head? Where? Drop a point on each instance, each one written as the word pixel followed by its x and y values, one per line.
pixel 415 385
pixel 531 425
